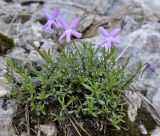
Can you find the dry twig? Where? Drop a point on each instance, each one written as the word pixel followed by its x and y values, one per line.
pixel 27 120
pixel 80 126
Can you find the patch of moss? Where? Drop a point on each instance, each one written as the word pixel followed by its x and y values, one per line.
pixel 5 43
pixel 145 118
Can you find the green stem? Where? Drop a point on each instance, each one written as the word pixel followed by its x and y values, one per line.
pixel 35 48
pixel 60 46
pixel 82 57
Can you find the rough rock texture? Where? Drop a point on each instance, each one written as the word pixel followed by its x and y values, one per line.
pixel 144 44
pixel 49 130
pixel 139 19
pixel 6 112
pixel 156 132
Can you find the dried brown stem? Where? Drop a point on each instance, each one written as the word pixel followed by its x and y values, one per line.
pixel 27 120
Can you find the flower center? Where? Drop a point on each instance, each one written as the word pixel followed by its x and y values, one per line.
pixel 68 30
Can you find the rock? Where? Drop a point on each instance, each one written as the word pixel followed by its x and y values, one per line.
pixel 7 131
pixel 37 44
pixel 156 132
pixel 131 24
pixel 2 66
pixel 6 128
pixel 5 88
pixel 143 129
pixel 23 134
pixel 134 105
pixel 6 110
pixel 49 130
pixel 19 56
pixel 8 0
pixel 150 7
pixel 34 56
pixel 50 45
pixel 141 43
pixel 87 21
pixel 17 52
pixel 29 2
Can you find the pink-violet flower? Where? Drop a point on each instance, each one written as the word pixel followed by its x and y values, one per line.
pixel 52 19
pixel 109 38
pixel 70 30
pixel 151 69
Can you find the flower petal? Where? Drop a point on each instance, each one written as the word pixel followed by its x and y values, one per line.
pixel 103 31
pixel 115 32
pixel 46 13
pixel 48 25
pixel 115 40
pixel 108 44
pixel 55 12
pixel 62 36
pixel 103 41
pixel 75 23
pixel 68 37
pixel 151 69
pixel 63 23
pixel 58 23
pixel 76 34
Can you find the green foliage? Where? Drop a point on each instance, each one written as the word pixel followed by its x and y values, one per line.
pixel 81 81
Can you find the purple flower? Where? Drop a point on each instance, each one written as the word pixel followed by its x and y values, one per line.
pixel 109 38
pixel 151 69
pixel 52 19
pixel 70 30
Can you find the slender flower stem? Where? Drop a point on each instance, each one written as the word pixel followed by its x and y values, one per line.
pixel 76 48
pixel 148 66
pixel 79 55
pixel 121 54
pixel 36 49
pixel 60 45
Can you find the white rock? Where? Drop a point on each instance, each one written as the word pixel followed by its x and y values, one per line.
pixel 143 129
pixel 2 66
pixel 34 56
pixel 37 44
pixel 134 105
pixel 4 87
pixel 48 45
pixel 156 132
pixel 49 130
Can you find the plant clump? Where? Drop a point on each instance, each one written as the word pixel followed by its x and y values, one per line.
pixel 81 83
